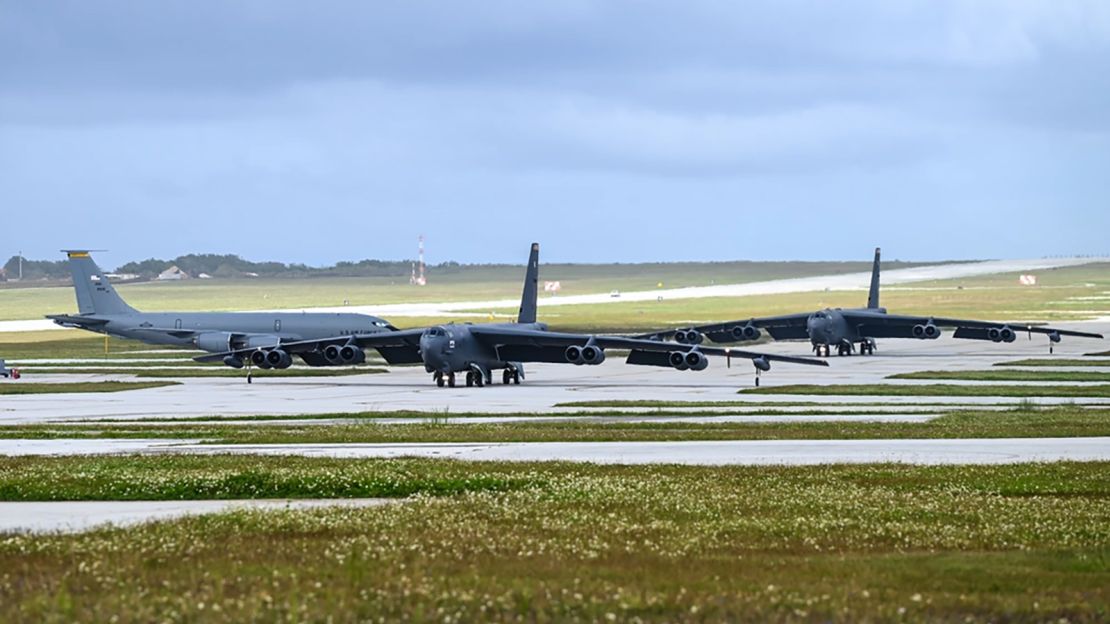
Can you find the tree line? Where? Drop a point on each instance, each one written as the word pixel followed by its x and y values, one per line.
pixel 223 266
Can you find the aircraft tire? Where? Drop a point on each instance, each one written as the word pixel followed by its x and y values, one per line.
pixel 451 380
pixel 506 377
pixel 439 381
pixel 469 379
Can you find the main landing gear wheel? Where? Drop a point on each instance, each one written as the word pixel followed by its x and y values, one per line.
pixel 451 380
pixel 510 377
pixel 469 379
pixel 438 377
pixel 479 379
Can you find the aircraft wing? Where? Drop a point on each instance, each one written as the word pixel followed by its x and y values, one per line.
pixel 784 327
pixel 902 326
pixel 397 347
pixel 516 344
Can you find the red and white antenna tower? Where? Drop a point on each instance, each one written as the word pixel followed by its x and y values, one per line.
pixel 418 278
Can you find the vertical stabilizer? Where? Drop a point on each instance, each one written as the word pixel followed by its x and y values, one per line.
pixel 95 295
pixel 873 295
pixel 531 284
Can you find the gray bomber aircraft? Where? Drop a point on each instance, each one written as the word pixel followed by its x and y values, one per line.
pixel 479 349
pixel 260 334
pixel 845 328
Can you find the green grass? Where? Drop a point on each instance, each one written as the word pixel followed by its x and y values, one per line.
pixel 1006 375
pixel 1025 421
pixel 560 542
pixel 1102 390
pixel 1034 362
pixel 464 284
pixel 76 344
pixel 201 371
pixel 17 387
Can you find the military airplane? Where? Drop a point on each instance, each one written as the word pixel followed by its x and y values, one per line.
pixel 479 349
pixel 102 310
pixel 845 328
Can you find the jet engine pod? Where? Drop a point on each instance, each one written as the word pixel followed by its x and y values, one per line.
pixel 762 363
pixel 745 332
pixel 918 331
pixel 331 353
pixel 234 361
pixel 258 358
pixel 677 359
pixel 279 358
pixel 592 354
pixel 688 336
pixel 932 332
pixel 1054 337
pixel 213 342
pixel 351 354
pixel 574 355
pixel 1005 334
pixel 995 334
pixel 696 360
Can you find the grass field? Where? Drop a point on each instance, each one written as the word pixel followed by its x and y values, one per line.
pixel 203 371
pixel 1100 390
pixel 1034 362
pixel 1025 421
pixel 1057 297
pixel 1007 375
pixel 466 284
pixel 90 386
pixel 558 542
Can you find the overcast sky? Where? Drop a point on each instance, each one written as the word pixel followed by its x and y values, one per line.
pixel 608 131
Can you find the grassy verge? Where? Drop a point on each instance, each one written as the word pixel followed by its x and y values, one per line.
pixel 1054 422
pixel 1059 362
pixel 1006 375
pixel 754 404
pixel 203 371
pixel 99 386
pixel 588 543
pixel 935 390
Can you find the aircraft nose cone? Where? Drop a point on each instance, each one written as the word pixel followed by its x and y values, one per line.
pixel 431 351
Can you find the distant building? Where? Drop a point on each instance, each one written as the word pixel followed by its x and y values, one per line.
pixel 173 273
pixel 204 276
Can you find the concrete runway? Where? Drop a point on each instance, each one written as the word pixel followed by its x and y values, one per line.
pixel 547 385
pixel 707 453
pixel 72 516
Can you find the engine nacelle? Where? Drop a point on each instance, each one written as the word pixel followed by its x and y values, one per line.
pixel 696 360
pixel 258 341
pixel 352 354
pixel 762 364
pixel 213 342
pixel 592 354
pixel 677 359
pixel 258 358
pixel 928 331
pixel 1054 337
pixel 234 361
pixel 745 332
pixel 574 355
pixel 1001 334
pixel 279 358
pixel 688 336
pixel 331 354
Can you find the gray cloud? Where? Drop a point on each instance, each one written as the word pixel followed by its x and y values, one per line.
pixel 193 126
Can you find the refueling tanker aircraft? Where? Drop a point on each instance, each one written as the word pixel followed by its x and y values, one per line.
pixel 102 310
pixel 479 349
pixel 846 328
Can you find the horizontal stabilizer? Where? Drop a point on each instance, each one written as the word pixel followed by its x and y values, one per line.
pixel 69 320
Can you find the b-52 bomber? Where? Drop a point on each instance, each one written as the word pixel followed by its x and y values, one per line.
pixel 479 349
pixel 846 328
pixel 102 310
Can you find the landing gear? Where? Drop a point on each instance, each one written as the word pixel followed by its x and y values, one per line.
pixel 451 380
pixel 510 376
pixel 469 379
pixel 867 347
pixel 250 374
pixel 757 371
pixel 438 377
pixel 844 348
pixel 821 350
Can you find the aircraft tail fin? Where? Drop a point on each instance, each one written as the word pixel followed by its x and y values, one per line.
pixel 873 295
pixel 95 294
pixel 528 298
